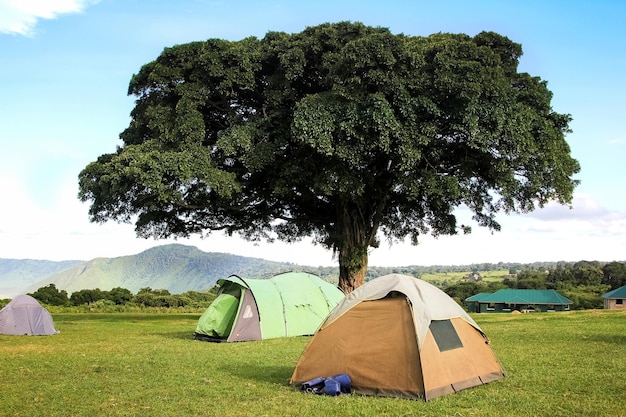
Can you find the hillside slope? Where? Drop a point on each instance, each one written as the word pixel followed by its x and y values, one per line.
pixel 176 268
pixel 17 274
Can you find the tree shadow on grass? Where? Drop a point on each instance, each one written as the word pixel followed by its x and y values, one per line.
pixel 266 373
pixel 245 369
pixel 183 335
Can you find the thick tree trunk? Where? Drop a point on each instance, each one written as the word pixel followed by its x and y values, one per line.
pixel 355 238
pixel 352 268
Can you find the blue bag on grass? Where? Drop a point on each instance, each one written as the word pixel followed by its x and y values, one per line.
pixel 344 382
pixel 314 386
pixel 334 385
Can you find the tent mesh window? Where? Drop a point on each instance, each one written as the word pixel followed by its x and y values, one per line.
pixel 445 335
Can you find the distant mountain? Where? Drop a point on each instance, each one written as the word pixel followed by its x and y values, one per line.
pixel 179 268
pixel 17 274
pixel 176 268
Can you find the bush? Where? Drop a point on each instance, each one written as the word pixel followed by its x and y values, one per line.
pixel 50 295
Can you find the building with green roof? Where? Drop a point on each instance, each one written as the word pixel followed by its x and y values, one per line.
pixel 508 300
pixel 615 299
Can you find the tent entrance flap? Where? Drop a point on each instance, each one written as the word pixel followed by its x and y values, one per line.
pixel 247 324
pixel 217 320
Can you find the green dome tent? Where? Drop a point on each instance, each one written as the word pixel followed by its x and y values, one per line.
pixel 289 304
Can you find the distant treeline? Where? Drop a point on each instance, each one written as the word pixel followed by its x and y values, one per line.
pixel 146 297
pixel 583 282
pixel 330 273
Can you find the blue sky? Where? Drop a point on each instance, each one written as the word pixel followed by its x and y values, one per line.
pixel 64 72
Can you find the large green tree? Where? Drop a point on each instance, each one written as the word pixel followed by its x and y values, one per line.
pixel 614 274
pixel 344 133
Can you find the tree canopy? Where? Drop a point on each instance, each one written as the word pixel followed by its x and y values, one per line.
pixel 51 295
pixel 344 133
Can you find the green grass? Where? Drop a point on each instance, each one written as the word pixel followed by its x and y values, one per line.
pixel 450 278
pixel 123 364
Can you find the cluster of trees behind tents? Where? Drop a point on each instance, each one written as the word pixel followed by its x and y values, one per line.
pixel 583 282
pixel 146 297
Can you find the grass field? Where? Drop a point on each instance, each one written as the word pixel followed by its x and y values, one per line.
pixel 450 278
pixel 557 364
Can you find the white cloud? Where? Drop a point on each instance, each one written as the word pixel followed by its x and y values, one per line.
pixel 21 16
pixel 587 216
pixel 60 230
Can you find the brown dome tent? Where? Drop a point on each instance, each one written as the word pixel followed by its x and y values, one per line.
pixel 402 337
pixel 25 316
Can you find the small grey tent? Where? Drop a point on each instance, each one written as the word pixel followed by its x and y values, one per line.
pixel 25 316
pixel 289 304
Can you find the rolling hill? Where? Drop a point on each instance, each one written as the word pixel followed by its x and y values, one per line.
pixel 179 268
pixel 176 268
pixel 17 274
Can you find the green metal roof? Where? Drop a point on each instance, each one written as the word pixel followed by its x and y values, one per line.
pixel 616 293
pixel 478 296
pixel 514 296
